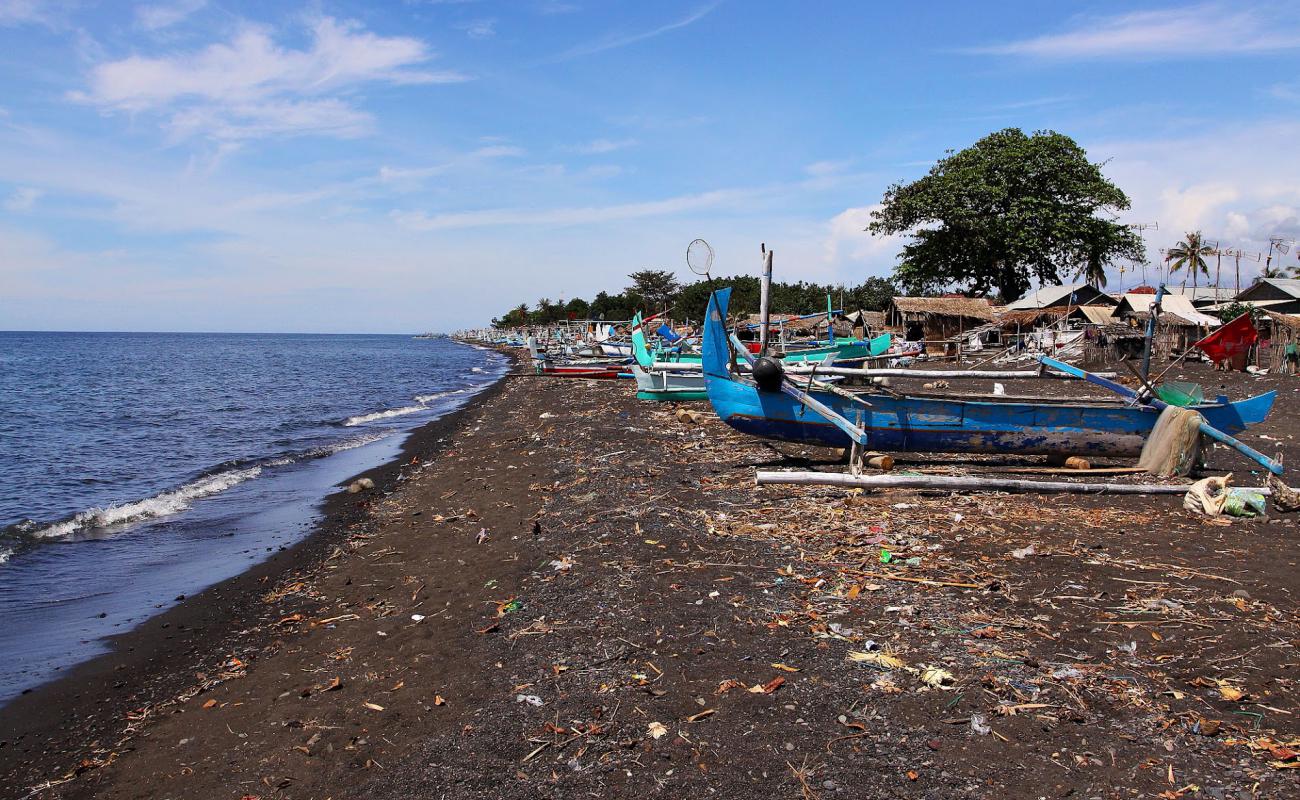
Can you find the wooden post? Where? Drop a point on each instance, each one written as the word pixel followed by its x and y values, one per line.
pixel 764 299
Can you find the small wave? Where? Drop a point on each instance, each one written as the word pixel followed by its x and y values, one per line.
pixel 425 399
pixel 360 440
pixel 160 505
pixel 378 415
pixel 5 553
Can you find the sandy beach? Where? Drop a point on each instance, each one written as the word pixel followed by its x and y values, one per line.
pixel 560 591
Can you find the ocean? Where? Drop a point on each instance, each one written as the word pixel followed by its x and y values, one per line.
pixel 138 467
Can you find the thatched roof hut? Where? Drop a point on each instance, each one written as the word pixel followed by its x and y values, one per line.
pixel 1280 351
pixel 937 318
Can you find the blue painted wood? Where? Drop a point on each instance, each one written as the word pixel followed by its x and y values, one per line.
pixel 1210 429
pixel 943 425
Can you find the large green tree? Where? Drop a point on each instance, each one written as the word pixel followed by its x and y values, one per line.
pixel 1010 209
pixel 658 288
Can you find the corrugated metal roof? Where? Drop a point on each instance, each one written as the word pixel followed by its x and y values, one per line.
pixel 1176 304
pixel 1098 315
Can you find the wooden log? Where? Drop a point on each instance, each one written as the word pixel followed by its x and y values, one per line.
pixel 881 461
pixel 963 483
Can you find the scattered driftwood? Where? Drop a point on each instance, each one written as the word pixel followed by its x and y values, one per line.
pixel 964 483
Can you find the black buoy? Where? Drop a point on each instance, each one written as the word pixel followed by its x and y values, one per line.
pixel 768 374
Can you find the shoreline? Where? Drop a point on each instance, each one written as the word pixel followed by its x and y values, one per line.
pixel 145 663
pixel 586 595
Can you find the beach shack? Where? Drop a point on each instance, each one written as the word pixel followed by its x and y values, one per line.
pixel 1179 325
pixel 1279 295
pixel 937 319
pixel 1062 296
pixel 1279 342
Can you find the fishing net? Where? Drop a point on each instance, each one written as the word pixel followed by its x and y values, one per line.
pixel 1174 444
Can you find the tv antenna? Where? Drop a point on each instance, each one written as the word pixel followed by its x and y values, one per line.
pixel 1282 244
pixel 1141 228
pixel 1237 255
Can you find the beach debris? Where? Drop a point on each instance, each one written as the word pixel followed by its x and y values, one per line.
pixel 767 688
pixel 1023 552
pixel 482 536
pixel 373 706
pixel 360 485
pixel 508 606
pixel 1207 495
pixel 530 699
pixel 656 730
pixel 979 725
pixel 689 416
pixel 937 678
pixel 1244 503
pixel 562 564
pixel 417 618
pixel 1285 499
pixel 879 658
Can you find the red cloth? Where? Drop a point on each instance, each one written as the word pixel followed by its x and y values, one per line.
pixel 1235 337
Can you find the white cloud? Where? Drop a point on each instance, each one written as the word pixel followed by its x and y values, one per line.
pixel 413 175
pixel 157 16
pixel 251 87
pixel 23 12
pixel 821 169
pixel 602 146
pixel 848 240
pixel 616 40
pixel 1227 182
pixel 479 28
pixel 586 215
pixel 22 199
pixel 1191 32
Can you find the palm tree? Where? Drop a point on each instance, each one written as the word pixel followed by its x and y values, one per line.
pixel 1190 253
pixel 1093 270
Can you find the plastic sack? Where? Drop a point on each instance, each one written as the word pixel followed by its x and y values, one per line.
pixel 1244 503
pixel 1207 496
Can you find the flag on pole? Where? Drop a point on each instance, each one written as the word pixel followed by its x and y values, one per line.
pixel 1229 340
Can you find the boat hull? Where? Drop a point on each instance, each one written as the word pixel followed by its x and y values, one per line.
pixel 668 386
pixel 947 425
pixel 582 372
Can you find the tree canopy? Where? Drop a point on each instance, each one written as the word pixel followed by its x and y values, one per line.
pixel 653 291
pixel 1005 211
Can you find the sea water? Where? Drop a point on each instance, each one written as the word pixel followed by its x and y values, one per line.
pixel 137 467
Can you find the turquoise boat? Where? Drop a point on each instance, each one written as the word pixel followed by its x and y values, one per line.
pixel 653 384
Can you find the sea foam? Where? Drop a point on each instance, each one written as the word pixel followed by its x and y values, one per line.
pixel 160 505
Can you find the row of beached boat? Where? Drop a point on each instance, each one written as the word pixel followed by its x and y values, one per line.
pixel 833 394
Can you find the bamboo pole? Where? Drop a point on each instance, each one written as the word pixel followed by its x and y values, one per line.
pixel 964 483
pixel 924 374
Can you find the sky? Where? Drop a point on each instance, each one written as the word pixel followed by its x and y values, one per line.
pixel 413 165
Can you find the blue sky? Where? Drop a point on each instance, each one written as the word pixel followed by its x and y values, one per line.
pixel 403 166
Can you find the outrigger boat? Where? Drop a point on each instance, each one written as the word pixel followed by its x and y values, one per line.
pixel 911 422
pixel 653 384
pixel 585 368
pixel 658 383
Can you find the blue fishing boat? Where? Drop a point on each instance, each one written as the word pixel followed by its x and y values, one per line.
pixel 938 424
